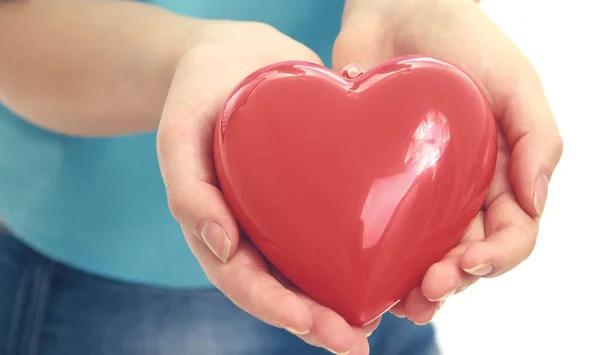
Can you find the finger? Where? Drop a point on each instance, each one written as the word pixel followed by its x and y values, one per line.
pixel 511 236
pixel 500 183
pixel 185 153
pixel 246 281
pixel 361 344
pixel 399 309
pixel 536 143
pixel 446 277
pixel 419 309
pixel 329 330
pixel 371 327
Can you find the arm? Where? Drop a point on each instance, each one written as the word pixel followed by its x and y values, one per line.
pixel 89 67
pixel 108 67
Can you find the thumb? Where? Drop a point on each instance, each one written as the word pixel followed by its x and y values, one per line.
pixel 354 45
pixel 185 147
pixel 536 143
pixel 185 153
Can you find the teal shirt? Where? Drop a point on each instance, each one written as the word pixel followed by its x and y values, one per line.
pixel 99 205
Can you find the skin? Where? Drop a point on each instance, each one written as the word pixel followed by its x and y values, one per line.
pixel 152 69
pixel 530 146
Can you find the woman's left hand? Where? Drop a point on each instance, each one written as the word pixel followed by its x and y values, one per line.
pixel 504 232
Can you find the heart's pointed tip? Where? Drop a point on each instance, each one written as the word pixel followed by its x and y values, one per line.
pixel 367 314
pixel 361 321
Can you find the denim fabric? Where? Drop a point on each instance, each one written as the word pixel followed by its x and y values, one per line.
pixel 47 308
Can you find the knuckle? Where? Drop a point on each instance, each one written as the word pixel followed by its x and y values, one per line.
pixel 164 138
pixel 232 282
pixel 558 146
pixel 176 202
pixel 436 268
pixel 224 277
pixel 160 140
pixel 514 75
pixel 212 274
pixel 524 70
pixel 522 249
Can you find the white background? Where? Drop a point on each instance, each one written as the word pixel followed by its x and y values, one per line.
pixel 549 304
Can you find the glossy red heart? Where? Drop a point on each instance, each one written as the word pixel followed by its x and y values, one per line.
pixel 352 189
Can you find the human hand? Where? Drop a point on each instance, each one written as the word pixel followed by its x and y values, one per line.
pixel 225 53
pixel 504 232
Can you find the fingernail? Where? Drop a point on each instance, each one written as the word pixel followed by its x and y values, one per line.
pixel 217 240
pixel 399 315
pixel 480 270
pixel 297 332
pixel 541 193
pixel 447 295
pixel 369 334
pixel 337 353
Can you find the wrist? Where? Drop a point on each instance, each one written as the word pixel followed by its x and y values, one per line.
pixel 161 57
pixel 186 34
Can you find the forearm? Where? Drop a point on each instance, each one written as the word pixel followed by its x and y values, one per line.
pixel 87 67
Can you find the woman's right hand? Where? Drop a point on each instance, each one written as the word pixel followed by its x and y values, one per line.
pixel 224 53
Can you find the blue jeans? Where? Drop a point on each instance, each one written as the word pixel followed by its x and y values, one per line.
pixel 47 308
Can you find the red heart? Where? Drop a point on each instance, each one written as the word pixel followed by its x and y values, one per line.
pixel 352 189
